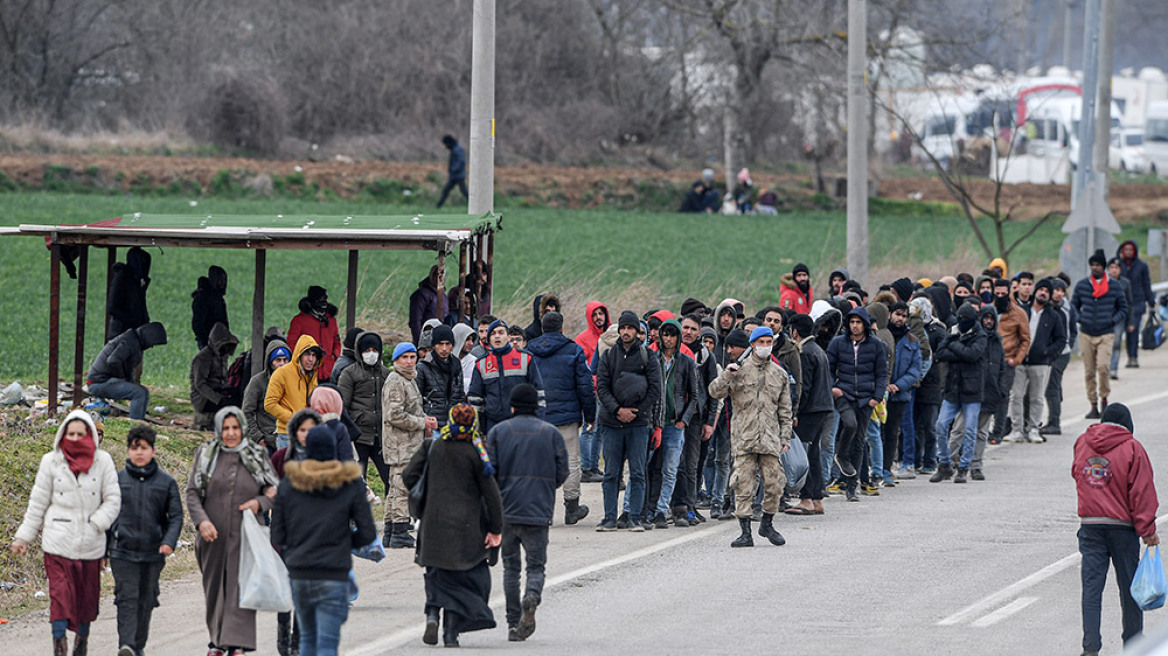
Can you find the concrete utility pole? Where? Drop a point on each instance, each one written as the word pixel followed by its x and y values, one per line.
pixel 482 110
pixel 1103 93
pixel 857 140
pixel 1090 101
pixel 1068 19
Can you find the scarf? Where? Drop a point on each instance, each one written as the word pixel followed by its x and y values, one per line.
pixel 1098 289
pixel 409 373
pixel 468 433
pixel 79 454
pixel 254 458
pixel 897 333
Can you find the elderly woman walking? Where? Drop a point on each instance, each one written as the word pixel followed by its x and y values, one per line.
pixel 74 499
pixel 230 475
pixel 464 519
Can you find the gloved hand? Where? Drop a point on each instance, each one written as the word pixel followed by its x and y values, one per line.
pixel 655 439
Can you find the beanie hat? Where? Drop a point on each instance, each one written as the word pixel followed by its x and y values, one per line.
pixel 1118 414
pixel 496 324
pixel 552 322
pixel 1057 283
pixel 761 331
pixel 800 268
pixel 903 288
pixel 691 305
pixel 442 334
pixel 317 293
pixel 279 352
pixel 1044 283
pixel 463 414
pixel 629 319
pixel 738 337
pixel 925 282
pixel 351 337
pixel 525 399
pixel 1098 258
pixel 966 311
pixel 402 349
pixel 802 324
pixel 321 444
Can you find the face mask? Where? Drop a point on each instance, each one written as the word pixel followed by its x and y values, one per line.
pixel 370 358
pixel 1002 303
pixel 762 352
pixel 964 325
pixel 987 296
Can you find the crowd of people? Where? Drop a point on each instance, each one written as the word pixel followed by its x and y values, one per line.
pixel 693 415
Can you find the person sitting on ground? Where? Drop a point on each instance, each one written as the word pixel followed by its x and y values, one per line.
pixel 111 376
pixel 695 199
pixel 209 388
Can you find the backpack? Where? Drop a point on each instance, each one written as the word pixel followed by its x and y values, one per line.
pixel 239 372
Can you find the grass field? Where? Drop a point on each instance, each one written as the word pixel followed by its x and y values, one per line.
pixel 633 259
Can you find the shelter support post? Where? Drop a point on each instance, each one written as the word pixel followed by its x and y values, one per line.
pixel 54 324
pixel 351 293
pixel 257 313
pixel 490 270
pixel 111 258
pixel 442 280
pixel 463 280
pixel 79 337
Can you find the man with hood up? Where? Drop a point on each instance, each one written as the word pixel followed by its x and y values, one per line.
pixel 859 366
pixel 348 356
pixel 994 391
pixel 127 296
pixel 796 294
pixel 726 317
pixel 209 388
pixel 208 306
pixel 291 385
pixel 542 304
pixel 596 322
pixel 111 376
pixel 1135 271
pixel 872 474
pixel 427 302
pixel 261 425
pixel 360 388
pixel 835 283
pixel 1117 507
pixel 318 320
pixel 963 349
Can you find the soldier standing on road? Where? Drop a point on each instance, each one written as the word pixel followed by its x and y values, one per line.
pixel 760 429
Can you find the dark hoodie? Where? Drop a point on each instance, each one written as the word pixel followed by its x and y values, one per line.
pixel 123 354
pixel 827 327
pixel 860 371
pixel 127 296
pixel 841 271
pixel 1136 272
pixel 209 369
pixel 1113 478
pixel 964 351
pixel 995 389
pixel 360 386
pixel 208 306
pixel 538 309
pixel 425 303
pixel 942 304
pixel 348 357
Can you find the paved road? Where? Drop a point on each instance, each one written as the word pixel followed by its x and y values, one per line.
pixel 988 568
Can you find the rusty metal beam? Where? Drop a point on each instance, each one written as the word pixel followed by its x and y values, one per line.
pixel 79 335
pixel 351 293
pixel 54 325
pixel 258 361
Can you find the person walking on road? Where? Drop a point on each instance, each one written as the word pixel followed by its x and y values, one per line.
pixel 455 170
pixel 1135 271
pixel 859 368
pixel 1117 508
pixel 1099 303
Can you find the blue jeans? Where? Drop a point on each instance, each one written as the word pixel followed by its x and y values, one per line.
pixel 281 441
pixel 624 443
pixel 717 465
pixel 876 449
pixel 1120 330
pixel 589 451
pixel 119 389
pixel 949 410
pixel 672 441
pixel 827 448
pixel 321 608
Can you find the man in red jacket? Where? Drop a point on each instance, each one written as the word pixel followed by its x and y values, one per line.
pixel 318 319
pixel 1117 506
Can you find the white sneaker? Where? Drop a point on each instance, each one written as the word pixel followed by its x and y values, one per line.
pixel 372 498
pixel 905 474
pixel 1016 436
pixel 1035 437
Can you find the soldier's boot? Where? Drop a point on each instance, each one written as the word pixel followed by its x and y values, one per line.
pixel 573 511
pixel 744 540
pixel 767 530
pixel 401 538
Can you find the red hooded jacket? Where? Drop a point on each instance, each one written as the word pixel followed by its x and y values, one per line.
pixel 588 337
pixel 1113 478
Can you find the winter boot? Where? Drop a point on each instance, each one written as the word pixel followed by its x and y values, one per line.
pixel 283 637
pixel 80 645
pixel 744 540
pixel 573 511
pixel 526 624
pixel 387 534
pixel 450 631
pixel 60 646
pixel 767 530
pixel 294 643
pixel 944 473
pixel 961 473
pixel 1093 413
pixel 430 637
pixel 401 538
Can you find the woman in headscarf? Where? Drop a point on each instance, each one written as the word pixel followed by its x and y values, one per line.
pixel 326 400
pixel 74 500
pixel 464 521
pixel 230 475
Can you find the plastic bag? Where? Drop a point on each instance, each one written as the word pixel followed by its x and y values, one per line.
pixel 374 551
pixel 263 578
pixel 12 394
pixel 795 465
pixel 1149 586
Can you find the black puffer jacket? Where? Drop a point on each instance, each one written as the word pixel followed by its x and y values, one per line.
pixel 629 379
pixel 964 352
pixel 1098 316
pixel 119 357
pixel 860 373
pixel 151 515
pixel 933 384
pixel 816 393
pixel 440 384
pixel 360 387
pixel 1047 343
pixel 994 390
pixel 531 461
pixel 316 509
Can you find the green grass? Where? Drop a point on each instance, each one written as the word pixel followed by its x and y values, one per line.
pixel 641 258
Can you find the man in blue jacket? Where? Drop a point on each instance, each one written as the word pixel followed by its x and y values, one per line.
pixel 1136 272
pixel 1100 304
pixel 455 171
pixel 530 463
pixel 496 374
pixel 906 373
pixel 570 396
pixel 859 369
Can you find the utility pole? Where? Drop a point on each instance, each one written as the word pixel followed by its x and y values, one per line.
pixel 1090 104
pixel 857 140
pixel 1103 107
pixel 482 110
pixel 1068 19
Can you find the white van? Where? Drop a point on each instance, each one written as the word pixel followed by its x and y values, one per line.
pixel 943 130
pixel 1156 137
pixel 1052 128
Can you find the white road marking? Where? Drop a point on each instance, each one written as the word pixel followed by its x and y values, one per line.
pixel 1004 612
pixel 399 638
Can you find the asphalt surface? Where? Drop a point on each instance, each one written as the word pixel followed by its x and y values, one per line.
pixel 983 568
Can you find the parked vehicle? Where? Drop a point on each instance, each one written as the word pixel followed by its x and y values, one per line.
pixel 1127 151
pixel 1156 137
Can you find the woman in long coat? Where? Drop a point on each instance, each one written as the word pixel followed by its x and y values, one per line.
pixel 463 520
pixel 230 475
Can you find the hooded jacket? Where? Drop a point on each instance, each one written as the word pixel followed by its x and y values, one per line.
pixel 828 321
pixel 72 513
pixel 1098 316
pixel 965 374
pixel 348 356
pixel 126 304
pixel 793 298
pixel 425 303
pixel 727 305
pixel 1113 479
pixel 907 367
pixel 761 420
pixel 261 425
pixel 1047 342
pixel 360 388
pixel 123 354
pixel 326 335
pixel 629 379
pixel 567 380
pixel 689 399
pixel 440 384
pixel 209 369
pixel 1136 272
pixel 942 304
pixel 531 461
pixel 994 389
pixel 933 383
pixel 1014 328
pixel 591 334
pixel 151 514
pixel 840 271
pixel 493 378
pixel 208 306
pixel 1001 264
pixel 403 422
pixel 538 309
pixel 289 388
pixel 815 395
pixel 859 371
pixel 320 516
pixel 879 313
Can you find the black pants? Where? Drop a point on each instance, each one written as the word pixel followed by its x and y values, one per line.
pixel 1002 412
pixel 450 185
pixel 136 596
pixel 653 480
pixel 890 431
pixel 812 426
pixel 685 493
pixel 1100 544
pixel 925 425
pixel 1054 390
pixel 534 541
pixel 365 452
pixel 851 440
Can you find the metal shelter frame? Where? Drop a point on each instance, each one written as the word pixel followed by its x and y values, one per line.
pixel 474 236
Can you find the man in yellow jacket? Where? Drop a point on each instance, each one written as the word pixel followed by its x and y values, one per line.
pixel 291 385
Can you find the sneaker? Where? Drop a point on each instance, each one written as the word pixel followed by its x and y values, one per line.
pixel 513 635
pixel 927 470
pixel 606 526
pixel 704 504
pixel 623 521
pixel 126 650
pixel 695 517
pixel 888 481
pixel 715 512
pixel 726 515
pixel 659 521
pixel 1094 413
pixel 526 624
pixel 851 495
pixel 1035 436
pixel 905 474
pixel 1133 363
pixel 591 476
pixel 635 526
pixel 1016 436
pixel 994 441
pixel 976 474
pixel 960 477
pixel 836 487
pixel 1115 375
pixel 870 490
pixel 682 521
pixel 845 467
pixel 1050 430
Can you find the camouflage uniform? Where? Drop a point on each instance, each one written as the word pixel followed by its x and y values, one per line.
pixel 403 428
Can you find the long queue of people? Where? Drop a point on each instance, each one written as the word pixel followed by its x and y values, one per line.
pixel 687 412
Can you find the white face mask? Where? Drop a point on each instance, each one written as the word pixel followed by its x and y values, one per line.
pixel 762 352
pixel 370 358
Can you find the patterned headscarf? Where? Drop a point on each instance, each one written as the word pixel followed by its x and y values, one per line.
pixel 254 457
pixel 464 425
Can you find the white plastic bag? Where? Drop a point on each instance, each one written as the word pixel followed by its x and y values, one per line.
pixel 263 578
